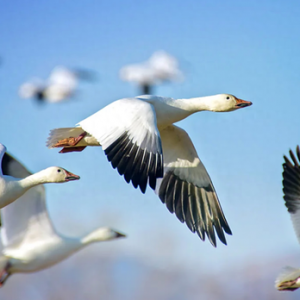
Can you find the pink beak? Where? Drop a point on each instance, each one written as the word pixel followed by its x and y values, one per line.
pixel 70 176
pixel 242 103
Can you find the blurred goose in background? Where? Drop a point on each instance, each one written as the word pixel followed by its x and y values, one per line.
pixel 12 188
pixel 140 140
pixel 161 67
pixel 60 86
pixel 289 279
pixel 29 241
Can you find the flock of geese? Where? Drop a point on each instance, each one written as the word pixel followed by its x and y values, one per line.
pixel 140 140
pixel 62 82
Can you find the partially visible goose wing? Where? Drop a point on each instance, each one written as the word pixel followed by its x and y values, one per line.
pixel 25 220
pixel 11 167
pixel 127 131
pixel 291 188
pixel 186 187
pixel 2 152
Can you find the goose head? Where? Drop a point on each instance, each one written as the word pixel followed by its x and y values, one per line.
pixel 58 175
pixel 226 102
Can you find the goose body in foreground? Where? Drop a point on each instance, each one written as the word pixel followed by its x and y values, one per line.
pixel 140 140
pixel 30 242
pixel 289 279
pixel 12 188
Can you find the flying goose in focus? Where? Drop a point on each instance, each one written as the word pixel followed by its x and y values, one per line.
pixel 12 188
pixel 289 279
pixel 29 241
pixel 140 140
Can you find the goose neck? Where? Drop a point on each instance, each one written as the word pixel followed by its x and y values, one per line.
pixel 194 104
pixel 98 235
pixel 33 180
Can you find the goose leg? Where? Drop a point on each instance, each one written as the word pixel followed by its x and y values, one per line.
pixel 72 149
pixel 288 285
pixel 71 141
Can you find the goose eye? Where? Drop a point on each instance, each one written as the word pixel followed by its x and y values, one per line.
pixel 227 97
pixel 59 170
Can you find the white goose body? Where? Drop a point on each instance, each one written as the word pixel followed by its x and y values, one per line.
pixel 41 254
pixel 46 252
pixel 168 110
pixel 12 188
pixel 30 242
pixel 140 140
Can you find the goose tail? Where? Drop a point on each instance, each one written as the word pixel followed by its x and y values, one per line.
pixel 288 279
pixel 57 135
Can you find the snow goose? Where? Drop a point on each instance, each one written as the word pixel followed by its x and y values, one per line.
pixel 140 140
pixel 30 242
pixel 289 279
pixel 12 188
pixel 60 86
pixel 160 67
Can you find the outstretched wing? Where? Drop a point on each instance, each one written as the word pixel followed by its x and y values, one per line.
pixel 127 131
pixel 11 167
pixel 187 189
pixel 26 219
pixel 291 188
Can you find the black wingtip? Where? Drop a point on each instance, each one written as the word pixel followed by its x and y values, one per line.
pixel 227 229
pixel 294 159
pixel 212 241
pixel 286 160
pixel 143 188
pixel 198 207
pixel 213 244
pixel 291 181
pixel 201 235
pixel 294 162
pixel 6 160
pixel 298 152
pixel 135 163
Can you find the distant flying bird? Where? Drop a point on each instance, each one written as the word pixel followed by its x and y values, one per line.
pixel 29 241
pixel 161 67
pixel 12 188
pixel 60 86
pixel 140 140
pixel 289 279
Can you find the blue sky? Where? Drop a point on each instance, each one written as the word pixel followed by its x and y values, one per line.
pixel 247 49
